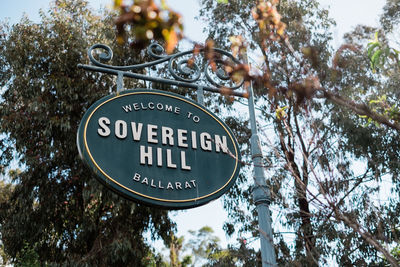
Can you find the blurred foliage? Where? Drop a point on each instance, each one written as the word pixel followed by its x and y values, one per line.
pixel 144 20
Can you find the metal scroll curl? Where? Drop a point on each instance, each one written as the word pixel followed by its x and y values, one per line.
pixel 156 51
pixel 216 74
pixel 188 66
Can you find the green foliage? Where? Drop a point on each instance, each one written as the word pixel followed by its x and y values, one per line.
pixel 396 252
pixel 154 259
pixel 203 249
pixel 175 249
pixel 56 212
pixel 391 15
pixel 385 60
pixel 27 257
pixel 241 255
pixel 5 193
pixel 201 242
pixel 326 168
pixel 380 53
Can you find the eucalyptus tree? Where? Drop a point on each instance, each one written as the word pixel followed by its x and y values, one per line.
pixel 326 167
pixel 56 210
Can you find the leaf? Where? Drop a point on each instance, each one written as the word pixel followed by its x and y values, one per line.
pixel 171 40
pixel 222 1
pixel 280 112
pixel 375 57
pixel 371 47
pixel 164 4
pixel 117 3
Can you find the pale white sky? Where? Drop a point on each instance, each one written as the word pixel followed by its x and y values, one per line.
pixel 347 13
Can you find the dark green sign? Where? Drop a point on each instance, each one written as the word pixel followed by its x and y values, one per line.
pixel 159 148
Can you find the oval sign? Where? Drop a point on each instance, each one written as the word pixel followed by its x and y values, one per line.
pixel 159 148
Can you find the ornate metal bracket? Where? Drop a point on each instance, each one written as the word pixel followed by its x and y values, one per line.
pixel 186 69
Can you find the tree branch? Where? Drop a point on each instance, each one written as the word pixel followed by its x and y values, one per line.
pixel 359 108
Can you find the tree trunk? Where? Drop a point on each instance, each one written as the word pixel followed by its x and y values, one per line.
pixel 301 183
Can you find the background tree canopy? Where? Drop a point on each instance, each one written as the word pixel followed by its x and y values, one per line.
pixel 333 173
pixel 329 123
pixel 55 207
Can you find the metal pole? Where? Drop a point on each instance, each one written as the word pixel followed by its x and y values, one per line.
pixel 261 194
pixel 200 95
pixel 120 81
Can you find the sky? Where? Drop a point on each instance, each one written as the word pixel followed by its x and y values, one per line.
pixel 347 13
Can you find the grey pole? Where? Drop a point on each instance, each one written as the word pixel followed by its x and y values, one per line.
pixel 120 81
pixel 200 95
pixel 261 194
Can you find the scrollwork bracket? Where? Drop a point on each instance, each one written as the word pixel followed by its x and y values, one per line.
pixel 185 69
